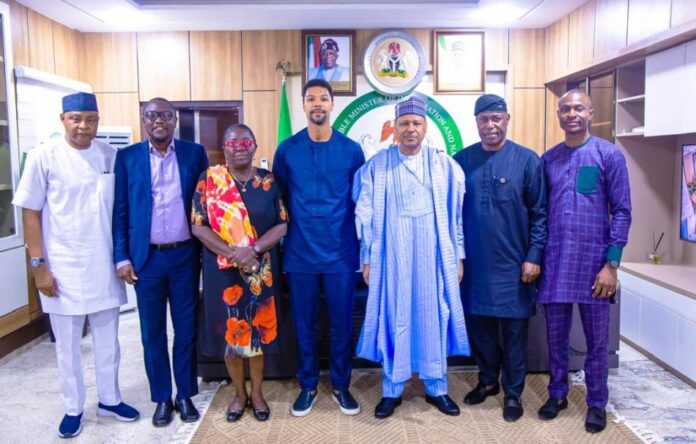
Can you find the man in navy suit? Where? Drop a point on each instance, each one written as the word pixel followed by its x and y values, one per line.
pixel 154 251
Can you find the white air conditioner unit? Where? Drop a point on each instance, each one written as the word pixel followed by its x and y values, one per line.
pixel 116 136
pixel 119 137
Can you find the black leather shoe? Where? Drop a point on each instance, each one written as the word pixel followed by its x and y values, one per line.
pixel 386 407
pixel 512 409
pixel 163 413
pixel 596 420
pixel 551 408
pixel 444 404
pixel 187 411
pixel 479 394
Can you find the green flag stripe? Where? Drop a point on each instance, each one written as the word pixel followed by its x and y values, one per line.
pixel 284 126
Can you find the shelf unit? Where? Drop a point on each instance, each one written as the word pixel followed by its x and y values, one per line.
pixel 630 100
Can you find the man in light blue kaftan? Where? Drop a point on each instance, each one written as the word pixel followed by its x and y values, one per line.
pixel 409 220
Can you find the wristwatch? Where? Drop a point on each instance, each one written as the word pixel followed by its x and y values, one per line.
pixel 257 250
pixel 613 264
pixel 36 262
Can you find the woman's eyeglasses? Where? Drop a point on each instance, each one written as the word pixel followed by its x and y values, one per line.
pixel 240 145
pixel 164 115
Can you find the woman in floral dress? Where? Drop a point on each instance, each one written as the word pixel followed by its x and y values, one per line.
pixel 239 217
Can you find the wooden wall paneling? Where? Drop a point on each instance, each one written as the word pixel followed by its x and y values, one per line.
pixel 554 133
pixel 528 115
pixel 682 11
pixel 425 38
pixel 611 25
pixel 216 65
pixel 556 49
pixel 19 24
pixel 40 31
pixel 112 65
pixel 163 65
pixel 66 51
pixel 646 18
pixel 121 109
pixel 497 43
pixel 261 114
pixel 289 47
pixel 581 29
pixel 362 38
pixel 259 60
pixel 527 56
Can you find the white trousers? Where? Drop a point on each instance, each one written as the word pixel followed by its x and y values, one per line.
pixel 67 330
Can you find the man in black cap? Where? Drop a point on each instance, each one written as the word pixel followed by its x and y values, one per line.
pixel 329 70
pixel 67 195
pixel 505 231
pixel 408 215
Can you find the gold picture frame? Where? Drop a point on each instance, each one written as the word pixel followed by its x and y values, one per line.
pixel 341 75
pixel 459 62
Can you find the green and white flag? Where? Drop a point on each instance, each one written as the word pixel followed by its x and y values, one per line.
pixel 284 126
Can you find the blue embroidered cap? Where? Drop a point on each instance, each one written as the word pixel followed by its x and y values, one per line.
pixel 490 103
pixel 412 105
pixel 80 102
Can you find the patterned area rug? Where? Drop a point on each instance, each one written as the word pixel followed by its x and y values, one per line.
pixel 414 421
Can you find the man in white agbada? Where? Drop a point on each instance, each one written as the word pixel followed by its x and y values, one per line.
pixel 409 219
pixel 66 195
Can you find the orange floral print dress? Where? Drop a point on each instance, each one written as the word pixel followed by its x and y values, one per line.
pixel 239 315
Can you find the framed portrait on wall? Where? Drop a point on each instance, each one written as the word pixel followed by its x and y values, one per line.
pixel 458 62
pixel 329 55
pixel 687 228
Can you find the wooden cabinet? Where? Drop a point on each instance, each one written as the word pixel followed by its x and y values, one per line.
pixel 581 24
pixel 646 18
pixel 611 23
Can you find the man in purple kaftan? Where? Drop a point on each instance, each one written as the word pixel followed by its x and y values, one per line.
pixel 589 215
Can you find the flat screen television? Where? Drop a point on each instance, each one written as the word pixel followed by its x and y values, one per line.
pixel 687 227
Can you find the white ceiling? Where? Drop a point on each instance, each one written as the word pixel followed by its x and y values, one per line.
pixel 125 16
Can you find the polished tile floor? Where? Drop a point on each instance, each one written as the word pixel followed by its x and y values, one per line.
pixel 653 403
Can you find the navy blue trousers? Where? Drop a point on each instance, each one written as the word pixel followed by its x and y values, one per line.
pixel 492 356
pixel 339 290
pixel 169 275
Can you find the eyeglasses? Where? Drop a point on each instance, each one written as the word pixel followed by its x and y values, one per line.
pixel 239 145
pixel 164 115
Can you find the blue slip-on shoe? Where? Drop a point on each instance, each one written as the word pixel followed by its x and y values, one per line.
pixel 70 426
pixel 303 404
pixel 122 411
pixel 346 402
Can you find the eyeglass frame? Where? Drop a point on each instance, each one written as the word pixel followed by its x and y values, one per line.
pixel 234 144
pixel 159 115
